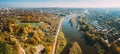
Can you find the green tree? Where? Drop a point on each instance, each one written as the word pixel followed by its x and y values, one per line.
pixel 5 49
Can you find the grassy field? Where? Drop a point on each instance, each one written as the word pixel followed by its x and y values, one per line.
pixel 32 24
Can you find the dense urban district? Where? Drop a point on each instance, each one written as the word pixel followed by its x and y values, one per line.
pixel 40 30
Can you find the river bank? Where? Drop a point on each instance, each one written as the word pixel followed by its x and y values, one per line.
pixel 72 34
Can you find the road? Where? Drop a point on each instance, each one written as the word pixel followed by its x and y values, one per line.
pixel 56 37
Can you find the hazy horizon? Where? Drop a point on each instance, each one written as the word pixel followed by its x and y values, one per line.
pixel 61 3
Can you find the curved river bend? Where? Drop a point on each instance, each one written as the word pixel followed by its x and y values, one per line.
pixel 72 34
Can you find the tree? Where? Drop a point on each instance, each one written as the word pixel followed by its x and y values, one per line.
pixel 11 30
pixel 75 49
pixel 43 26
pixel 5 49
pixel 25 30
pixel 49 49
pixel 115 49
pixel 91 36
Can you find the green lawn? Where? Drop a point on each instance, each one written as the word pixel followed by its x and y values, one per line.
pixel 32 24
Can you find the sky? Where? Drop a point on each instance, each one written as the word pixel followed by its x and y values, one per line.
pixel 61 3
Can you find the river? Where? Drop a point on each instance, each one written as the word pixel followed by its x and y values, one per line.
pixel 72 34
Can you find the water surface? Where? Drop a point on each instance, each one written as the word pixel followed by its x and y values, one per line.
pixel 72 34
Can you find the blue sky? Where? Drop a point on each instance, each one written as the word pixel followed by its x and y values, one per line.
pixel 60 3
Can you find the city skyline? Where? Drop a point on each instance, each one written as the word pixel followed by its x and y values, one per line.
pixel 60 3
